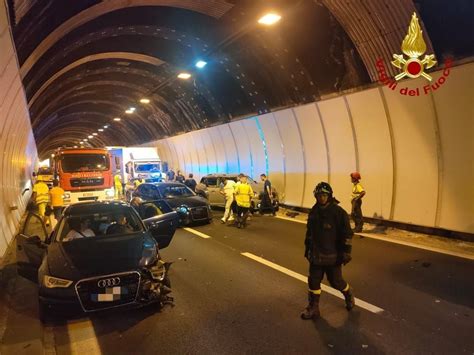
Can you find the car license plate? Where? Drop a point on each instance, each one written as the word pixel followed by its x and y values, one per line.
pixel 88 194
pixel 110 294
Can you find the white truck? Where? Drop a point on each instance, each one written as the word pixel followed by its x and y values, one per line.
pixel 135 162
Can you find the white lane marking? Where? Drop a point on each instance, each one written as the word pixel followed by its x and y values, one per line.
pixel 367 306
pixel 401 242
pixel 83 339
pixel 202 235
pixel 410 244
pixel 292 219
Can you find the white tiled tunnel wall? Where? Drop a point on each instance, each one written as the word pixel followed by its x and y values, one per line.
pixel 18 154
pixel 415 154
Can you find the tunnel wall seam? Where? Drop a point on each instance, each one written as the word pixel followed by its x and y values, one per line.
pixel 413 163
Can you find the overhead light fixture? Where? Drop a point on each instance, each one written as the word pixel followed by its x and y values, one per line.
pixel 145 101
pixel 100 130
pixel 269 19
pixel 76 146
pixel 200 64
pixel 117 119
pixel 94 134
pixel 82 142
pixel 106 126
pixel 132 109
pixel 52 155
pixel 90 137
pixel 85 140
pixel 184 75
pixel 128 112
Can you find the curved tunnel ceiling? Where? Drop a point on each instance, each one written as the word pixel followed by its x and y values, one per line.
pixel 85 63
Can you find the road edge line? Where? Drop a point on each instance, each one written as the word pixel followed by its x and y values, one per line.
pixel 400 242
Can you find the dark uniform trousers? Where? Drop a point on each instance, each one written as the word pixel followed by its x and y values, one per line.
pixel 333 273
pixel 357 214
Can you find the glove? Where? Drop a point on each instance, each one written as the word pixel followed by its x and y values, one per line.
pixel 346 258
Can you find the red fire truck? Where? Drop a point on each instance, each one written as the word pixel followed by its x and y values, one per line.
pixel 85 174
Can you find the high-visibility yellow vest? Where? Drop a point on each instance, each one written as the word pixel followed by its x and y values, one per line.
pixel 42 192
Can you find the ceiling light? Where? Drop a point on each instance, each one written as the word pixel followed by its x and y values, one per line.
pixel 90 137
pixel 128 112
pixel 200 64
pixel 106 126
pixel 85 140
pixel 117 119
pixel 100 130
pixel 132 109
pixel 269 19
pixel 145 101
pixel 184 75
pixel 76 146
pixel 82 142
pixel 94 134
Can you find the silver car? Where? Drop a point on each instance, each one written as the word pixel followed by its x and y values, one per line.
pixel 211 185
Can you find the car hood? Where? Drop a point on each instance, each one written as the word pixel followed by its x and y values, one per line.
pixel 90 257
pixel 192 201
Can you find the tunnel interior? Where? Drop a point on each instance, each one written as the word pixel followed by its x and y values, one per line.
pixel 302 97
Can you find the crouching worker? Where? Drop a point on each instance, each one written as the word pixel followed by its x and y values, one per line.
pixel 328 247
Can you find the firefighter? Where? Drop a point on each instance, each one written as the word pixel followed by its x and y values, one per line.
pixel 118 187
pixel 357 193
pixel 41 198
pixel 327 248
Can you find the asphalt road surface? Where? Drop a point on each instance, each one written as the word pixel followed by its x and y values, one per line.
pixel 242 291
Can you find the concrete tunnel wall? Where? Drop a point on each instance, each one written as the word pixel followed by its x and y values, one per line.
pixel 18 154
pixel 415 153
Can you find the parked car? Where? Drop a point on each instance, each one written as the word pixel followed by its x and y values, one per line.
pixel 189 206
pixel 211 185
pixel 100 255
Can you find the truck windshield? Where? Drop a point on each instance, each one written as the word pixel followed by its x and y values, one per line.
pixel 84 162
pixel 149 167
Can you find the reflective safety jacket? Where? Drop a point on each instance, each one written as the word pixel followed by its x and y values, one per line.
pixel 243 194
pixel 42 192
pixel 357 189
pixel 328 234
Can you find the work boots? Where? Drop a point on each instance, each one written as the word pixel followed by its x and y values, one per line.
pixel 312 310
pixel 349 297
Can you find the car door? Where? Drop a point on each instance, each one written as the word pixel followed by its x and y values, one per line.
pixel 31 247
pixel 213 188
pixel 162 227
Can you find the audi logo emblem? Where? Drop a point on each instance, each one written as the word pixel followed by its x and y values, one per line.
pixel 113 281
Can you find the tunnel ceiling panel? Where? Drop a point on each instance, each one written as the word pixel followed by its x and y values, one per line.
pixel 84 63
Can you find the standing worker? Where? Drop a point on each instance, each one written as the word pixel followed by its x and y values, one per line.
pixel 228 191
pixel 56 195
pixel 327 247
pixel 139 181
pixel 243 195
pixel 41 198
pixel 267 200
pixel 118 186
pixel 191 183
pixel 170 175
pixel 357 193
pixel 179 177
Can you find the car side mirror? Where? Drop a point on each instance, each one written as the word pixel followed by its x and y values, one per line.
pixel 36 240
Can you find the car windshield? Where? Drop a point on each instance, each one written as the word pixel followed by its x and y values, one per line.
pixel 151 167
pixel 84 162
pixel 97 225
pixel 170 191
pixel 44 171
